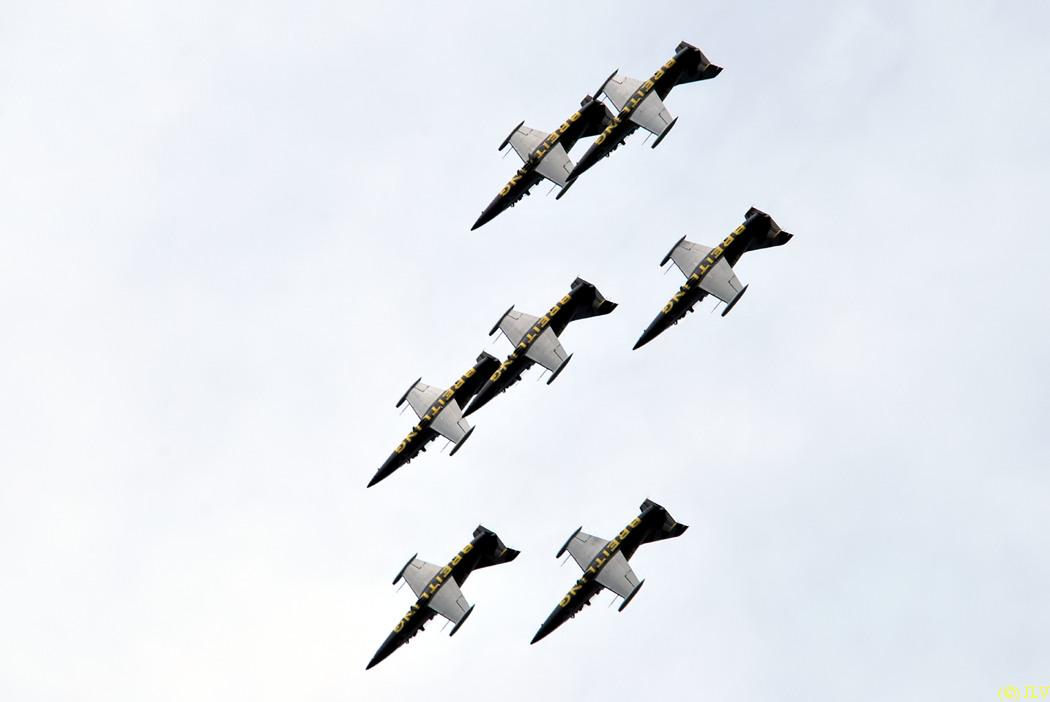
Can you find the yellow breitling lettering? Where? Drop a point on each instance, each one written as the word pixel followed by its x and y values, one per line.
pixel 540 325
pixel 434 585
pixel 639 95
pixel 549 141
pixel 592 568
pixel 434 410
pixel 705 265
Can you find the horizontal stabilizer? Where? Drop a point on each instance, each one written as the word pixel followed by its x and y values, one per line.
pixel 774 235
pixel 669 528
pixel 497 554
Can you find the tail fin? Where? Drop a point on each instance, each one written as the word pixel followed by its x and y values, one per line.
pixel 598 304
pixel 485 366
pixel 695 64
pixel 668 528
pixel 773 234
pixel 595 116
pixel 494 551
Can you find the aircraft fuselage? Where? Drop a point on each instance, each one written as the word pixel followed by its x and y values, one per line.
pixel 621 125
pixel 690 293
pixel 587 586
pixel 422 433
pixel 419 613
pixel 526 177
pixel 582 300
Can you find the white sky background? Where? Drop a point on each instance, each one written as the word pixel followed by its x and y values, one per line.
pixel 232 237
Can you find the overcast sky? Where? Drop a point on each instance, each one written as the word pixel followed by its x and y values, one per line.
pixel 231 236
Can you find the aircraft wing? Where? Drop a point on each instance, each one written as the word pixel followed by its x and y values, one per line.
pixel 722 282
pixel 450 423
pixel 516 324
pixel 652 115
pixel 687 255
pixel 555 165
pixel 524 141
pixel 449 602
pixel 417 573
pixel 620 88
pixel 583 547
pixel 547 351
pixel 421 397
pixel 618 576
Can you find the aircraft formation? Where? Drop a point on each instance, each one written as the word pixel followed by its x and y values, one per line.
pixel 537 340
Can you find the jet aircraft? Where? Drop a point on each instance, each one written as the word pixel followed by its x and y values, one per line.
pixel 711 270
pixel 438 413
pixel 641 104
pixel 545 155
pixel 437 588
pixel 604 563
pixel 536 338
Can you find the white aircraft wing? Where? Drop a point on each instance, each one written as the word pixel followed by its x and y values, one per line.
pixel 686 255
pixel 583 547
pixel 722 282
pixel 524 141
pixel 547 351
pixel 652 115
pixel 450 423
pixel 449 602
pixel 618 576
pixel 555 165
pixel 620 88
pixel 421 397
pixel 418 573
pixel 516 324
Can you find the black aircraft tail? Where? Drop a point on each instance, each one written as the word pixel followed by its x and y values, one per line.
pixel 493 551
pixel 665 527
pixel 595 116
pixel 695 65
pixel 767 232
pixel 484 367
pixel 591 302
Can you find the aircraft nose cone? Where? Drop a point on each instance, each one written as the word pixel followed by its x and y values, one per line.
pixel 389 646
pixel 389 466
pixel 586 162
pixel 495 207
pixel 650 333
pixel 544 630
pixel 483 396
pixel 485 218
